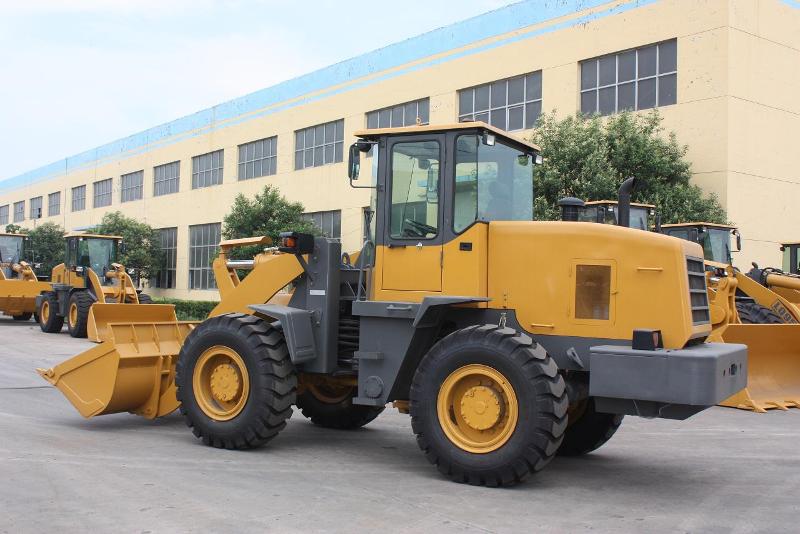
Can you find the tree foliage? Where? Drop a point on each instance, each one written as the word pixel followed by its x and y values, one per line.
pixel 268 213
pixel 143 251
pixel 14 229
pixel 589 157
pixel 47 246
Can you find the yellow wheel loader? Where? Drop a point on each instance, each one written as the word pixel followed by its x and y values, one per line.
pixel 19 285
pixel 760 309
pixel 507 340
pixel 90 289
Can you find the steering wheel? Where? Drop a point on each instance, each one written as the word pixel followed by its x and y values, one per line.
pixel 417 229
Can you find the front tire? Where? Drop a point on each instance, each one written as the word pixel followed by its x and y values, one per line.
pixel 488 406
pixel 23 316
pixel 49 320
pixel 331 406
pixel 753 313
pixel 235 381
pixel 78 313
pixel 145 299
pixel 588 429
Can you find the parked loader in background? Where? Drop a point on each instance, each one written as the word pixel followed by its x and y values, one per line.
pixel 19 285
pixel 89 287
pixel 507 340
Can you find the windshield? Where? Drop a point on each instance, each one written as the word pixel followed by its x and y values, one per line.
pixel 97 254
pixel 10 248
pixel 639 215
pixel 717 245
pixel 492 183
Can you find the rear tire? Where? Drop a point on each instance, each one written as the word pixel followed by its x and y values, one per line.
pixel 753 313
pixel 49 319
pixel 335 409
pixel 589 430
pixel 488 406
pixel 78 313
pixel 145 299
pixel 235 381
pixel 23 317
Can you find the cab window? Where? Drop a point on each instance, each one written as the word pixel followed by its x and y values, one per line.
pixel 415 190
pixel 493 182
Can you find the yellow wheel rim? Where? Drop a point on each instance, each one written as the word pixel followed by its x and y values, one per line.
pixel 477 408
pixel 73 314
pixel 221 383
pixel 45 312
pixel 330 393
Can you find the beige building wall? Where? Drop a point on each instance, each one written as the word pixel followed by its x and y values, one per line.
pixel 737 108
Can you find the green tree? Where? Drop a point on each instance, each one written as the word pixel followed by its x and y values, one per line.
pixel 589 157
pixel 46 246
pixel 15 229
pixel 143 251
pixel 269 213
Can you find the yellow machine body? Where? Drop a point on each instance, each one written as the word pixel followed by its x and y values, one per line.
pixel 19 285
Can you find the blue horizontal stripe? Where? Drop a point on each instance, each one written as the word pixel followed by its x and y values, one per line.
pixel 494 23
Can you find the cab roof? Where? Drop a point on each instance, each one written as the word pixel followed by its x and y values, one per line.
pixel 615 202
pixel 436 128
pixel 695 224
pixel 790 244
pixel 94 236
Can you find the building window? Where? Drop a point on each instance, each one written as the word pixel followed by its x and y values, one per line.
pixel 166 178
pixel 4 214
pixel 102 193
pixel 203 243
pixel 259 158
pixel 641 78
pixel 510 104
pixel 207 169
pixel 169 245
pixel 19 211
pixel 79 198
pixel 54 204
pixel 400 115
pixel 36 208
pixel 319 145
pixel 330 222
pixel 132 186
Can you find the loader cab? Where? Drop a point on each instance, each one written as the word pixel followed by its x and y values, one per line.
pixel 12 250
pixel 714 238
pixel 90 251
pixel 791 257
pixel 434 188
pixel 607 212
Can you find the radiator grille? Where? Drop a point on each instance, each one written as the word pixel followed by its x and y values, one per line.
pixel 698 297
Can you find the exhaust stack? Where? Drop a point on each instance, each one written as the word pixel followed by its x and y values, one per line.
pixel 624 202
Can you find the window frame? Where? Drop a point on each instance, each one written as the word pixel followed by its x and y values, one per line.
pixel 81 199
pixel 136 191
pixel 50 211
pixel 5 214
pixel 391 109
pixel 31 206
pixel 657 76
pixel 168 180
pixel 199 180
pixel 269 162
pixel 206 272
pixel 170 257
pixel 19 214
pixel 337 143
pixel 102 194
pixel 523 104
pixel 335 214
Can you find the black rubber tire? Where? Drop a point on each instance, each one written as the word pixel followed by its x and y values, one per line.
pixel 753 313
pixel 273 382
pixel 83 301
pixel 342 415
pixel 23 317
pixel 589 432
pixel 145 299
pixel 55 322
pixel 538 386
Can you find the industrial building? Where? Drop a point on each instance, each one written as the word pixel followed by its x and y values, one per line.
pixel 725 75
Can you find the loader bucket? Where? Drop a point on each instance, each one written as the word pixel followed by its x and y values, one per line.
pixel 101 315
pixel 773 362
pixel 133 370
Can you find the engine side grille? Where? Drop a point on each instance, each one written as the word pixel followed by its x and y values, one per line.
pixel 698 297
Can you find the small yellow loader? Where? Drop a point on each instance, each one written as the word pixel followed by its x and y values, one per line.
pixel 19 285
pixel 507 340
pixel 90 290
pixel 759 309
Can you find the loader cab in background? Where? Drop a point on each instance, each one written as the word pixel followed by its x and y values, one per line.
pixel 433 186
pixel 89 251
pixel 12 250
pixel 714 238
pixel 791 258
pixel 642 216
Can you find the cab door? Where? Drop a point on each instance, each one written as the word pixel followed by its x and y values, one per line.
pixel 412 251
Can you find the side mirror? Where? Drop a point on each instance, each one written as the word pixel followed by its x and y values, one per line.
pixel 354 162
pixel 738 240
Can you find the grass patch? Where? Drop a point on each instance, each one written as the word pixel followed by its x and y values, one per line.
pixel 189 310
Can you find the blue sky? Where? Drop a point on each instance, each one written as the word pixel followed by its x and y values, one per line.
pixel 79 73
